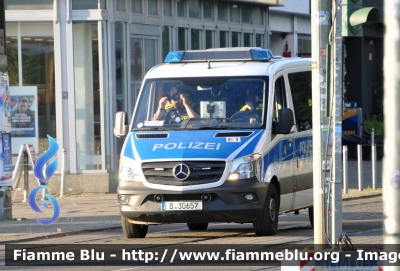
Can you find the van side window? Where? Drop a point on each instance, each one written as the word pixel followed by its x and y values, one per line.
pixel 279 97
pixel 300 85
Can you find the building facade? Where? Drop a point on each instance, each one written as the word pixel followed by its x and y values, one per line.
pixel 290 28
pixel 86 60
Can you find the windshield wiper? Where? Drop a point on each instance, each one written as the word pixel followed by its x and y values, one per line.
pixel 153 129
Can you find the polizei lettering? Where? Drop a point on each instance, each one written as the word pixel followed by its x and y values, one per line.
pixel 189 145
pixel 306 147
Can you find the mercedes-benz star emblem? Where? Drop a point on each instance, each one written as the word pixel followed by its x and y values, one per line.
pixel 181 172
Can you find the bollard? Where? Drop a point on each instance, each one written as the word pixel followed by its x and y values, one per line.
pixel 372 137
pixel 62 190
pixel 360 169
pixel 26 177
pixel 5 203
pixel 373 158
pixel 345 172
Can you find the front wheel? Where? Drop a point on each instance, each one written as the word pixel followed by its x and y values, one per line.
pixel 267 223
pixel 133 230
pixel 197 226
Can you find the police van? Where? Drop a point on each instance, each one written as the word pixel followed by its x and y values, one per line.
pixel 217 135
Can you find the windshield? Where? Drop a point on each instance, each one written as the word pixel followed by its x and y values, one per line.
pixel 202 103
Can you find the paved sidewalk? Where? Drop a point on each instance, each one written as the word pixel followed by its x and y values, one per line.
pixel 87 212
pixel 93 212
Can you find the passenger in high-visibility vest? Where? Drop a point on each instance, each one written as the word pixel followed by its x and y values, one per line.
pixel 178 103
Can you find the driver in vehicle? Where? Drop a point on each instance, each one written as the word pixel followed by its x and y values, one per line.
pixel 251 111
pixel 177 104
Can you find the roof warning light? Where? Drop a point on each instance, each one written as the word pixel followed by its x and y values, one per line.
pixel 220 54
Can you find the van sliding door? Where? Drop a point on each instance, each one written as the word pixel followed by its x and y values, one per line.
pixel 282 152
pixel 300 90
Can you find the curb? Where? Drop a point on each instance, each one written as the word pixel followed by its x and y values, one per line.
pixel 355 194
pixel 55 235
pixel 361 197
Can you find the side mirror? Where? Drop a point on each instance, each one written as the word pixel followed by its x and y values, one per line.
pixel 286 121
pixel 121 124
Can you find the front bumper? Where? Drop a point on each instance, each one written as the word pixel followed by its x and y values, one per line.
pixel 227 204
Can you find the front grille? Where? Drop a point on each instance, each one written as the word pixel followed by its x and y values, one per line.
pixel 201 172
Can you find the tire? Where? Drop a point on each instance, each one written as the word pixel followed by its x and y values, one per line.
pixel 197 226
pixel 267 223
pixel 133 230
pixel 311 215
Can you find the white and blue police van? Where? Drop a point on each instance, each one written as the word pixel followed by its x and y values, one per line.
pixel 217 135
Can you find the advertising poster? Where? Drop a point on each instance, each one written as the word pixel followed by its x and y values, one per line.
pixel 23 109
pixel 5 133
pixel 6 166
pixel 24 117
pixel 32 154
pixel 5 124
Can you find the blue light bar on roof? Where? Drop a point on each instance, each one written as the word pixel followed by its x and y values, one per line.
pixel 174 56
pixel 261 54
pixel 220 54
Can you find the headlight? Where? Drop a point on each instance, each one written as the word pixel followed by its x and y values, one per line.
pixel 129 170
pixel 245 167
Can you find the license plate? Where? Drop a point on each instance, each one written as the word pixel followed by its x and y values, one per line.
pixel 181 205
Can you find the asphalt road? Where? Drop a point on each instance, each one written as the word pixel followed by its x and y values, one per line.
pixel 362 222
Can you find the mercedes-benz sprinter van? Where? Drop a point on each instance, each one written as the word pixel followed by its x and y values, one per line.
pixel 217 135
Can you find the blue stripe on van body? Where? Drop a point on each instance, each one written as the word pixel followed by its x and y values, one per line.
pixel 277 153
pixel 144 147
pixel 127 149
pixel 188 145
pixel 303 146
